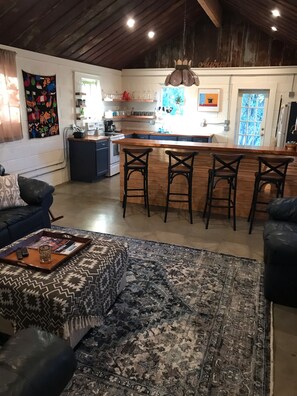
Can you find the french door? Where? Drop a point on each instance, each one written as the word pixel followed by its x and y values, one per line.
pixel 251 116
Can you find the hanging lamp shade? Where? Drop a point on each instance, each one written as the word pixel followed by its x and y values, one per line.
pixel 182 75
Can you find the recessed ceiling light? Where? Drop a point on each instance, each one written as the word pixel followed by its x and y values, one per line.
pixel 151 34
pixel 274 28
pixel 131 22
pixel 275 12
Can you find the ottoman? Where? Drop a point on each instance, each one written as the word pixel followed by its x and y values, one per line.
pixel 72 298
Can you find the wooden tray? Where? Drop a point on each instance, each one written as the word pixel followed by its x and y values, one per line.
pixel 58 242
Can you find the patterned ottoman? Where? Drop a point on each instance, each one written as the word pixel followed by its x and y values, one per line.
pixel 71 299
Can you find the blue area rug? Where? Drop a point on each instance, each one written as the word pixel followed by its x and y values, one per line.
pixel 189 322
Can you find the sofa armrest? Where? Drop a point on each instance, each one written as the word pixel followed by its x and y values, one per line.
pixel 34 362
pixel 283 209
pixel 34 191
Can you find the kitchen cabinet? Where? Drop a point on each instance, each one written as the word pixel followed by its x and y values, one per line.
pixel 88 159
pixel 202 139
pixel 184 138
pixel 163 137
pixel 141 136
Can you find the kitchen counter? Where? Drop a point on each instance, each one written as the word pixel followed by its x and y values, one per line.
pixel 158 164
pixel 89 138
pixel 211 147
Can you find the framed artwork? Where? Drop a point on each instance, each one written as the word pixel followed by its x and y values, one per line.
pixel 209 99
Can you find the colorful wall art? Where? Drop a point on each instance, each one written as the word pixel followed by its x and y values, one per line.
pixel 209 100
pixel 41 104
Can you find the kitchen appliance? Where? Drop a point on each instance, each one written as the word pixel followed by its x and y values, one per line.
pixel 94 128
pixel 109 126
pixel 114 153
pixel 287 125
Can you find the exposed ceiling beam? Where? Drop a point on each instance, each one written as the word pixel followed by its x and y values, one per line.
pixel 213 10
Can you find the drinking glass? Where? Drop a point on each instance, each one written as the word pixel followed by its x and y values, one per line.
pixel 45 254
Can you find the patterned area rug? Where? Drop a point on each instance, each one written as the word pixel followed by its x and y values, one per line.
pixel 189 322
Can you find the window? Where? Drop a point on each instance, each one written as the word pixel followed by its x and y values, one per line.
pixel 10 125
pixel 173 100
pixel 93 99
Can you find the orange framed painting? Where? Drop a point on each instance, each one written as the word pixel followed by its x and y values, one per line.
pixel 208 99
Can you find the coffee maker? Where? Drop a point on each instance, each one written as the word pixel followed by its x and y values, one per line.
pixel 109 126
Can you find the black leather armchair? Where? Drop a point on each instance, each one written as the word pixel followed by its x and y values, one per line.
pixel 280 252
pixel 35 363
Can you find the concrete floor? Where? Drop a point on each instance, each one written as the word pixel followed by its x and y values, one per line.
pixel 96 207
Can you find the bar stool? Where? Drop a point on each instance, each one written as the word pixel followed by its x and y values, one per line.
pixel 180 164
pixel 271 170
pixel 224 167
pixel 136 160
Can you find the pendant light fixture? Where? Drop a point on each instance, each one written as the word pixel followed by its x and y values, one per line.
pixel 182 75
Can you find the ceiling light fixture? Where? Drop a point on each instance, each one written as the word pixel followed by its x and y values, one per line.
pixel 275 13
pixel 182 75
pixel 131 22
pixel 274 28
pixel 151 34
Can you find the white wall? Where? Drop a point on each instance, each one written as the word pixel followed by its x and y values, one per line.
pixel 278 80
pixel 45 158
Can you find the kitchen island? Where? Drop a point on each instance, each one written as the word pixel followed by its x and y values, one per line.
pixel 158 164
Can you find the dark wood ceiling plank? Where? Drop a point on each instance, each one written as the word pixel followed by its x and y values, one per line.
pixel 259 14
pixel 138 45
pixel 122 34
pixel 11 16
pixel 174 25
pixel 70 32
pixel 95 33
pixel 57 19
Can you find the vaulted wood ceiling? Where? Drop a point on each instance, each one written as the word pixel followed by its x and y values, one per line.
pixel 95 31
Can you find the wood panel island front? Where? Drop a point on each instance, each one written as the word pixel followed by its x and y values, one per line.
pixel 158 167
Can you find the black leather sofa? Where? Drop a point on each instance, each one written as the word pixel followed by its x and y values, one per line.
pixel 280 252
pixel 17 222
pixel 35 363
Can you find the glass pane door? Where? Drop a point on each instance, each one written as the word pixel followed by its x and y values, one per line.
pixel 251 117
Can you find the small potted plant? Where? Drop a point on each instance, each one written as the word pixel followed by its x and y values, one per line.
pixel 178 100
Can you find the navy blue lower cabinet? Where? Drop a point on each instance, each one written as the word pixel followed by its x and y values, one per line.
pixel 164 137
pixel 88 159
pixel 141 136
pixel 201 139
pixel 184 139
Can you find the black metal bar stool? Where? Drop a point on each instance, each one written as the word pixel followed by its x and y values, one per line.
pixel 271 170
pixel 180 164
pixel 136 160
pixel 224 167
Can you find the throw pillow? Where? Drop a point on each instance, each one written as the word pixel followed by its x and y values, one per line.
pixel 10 192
